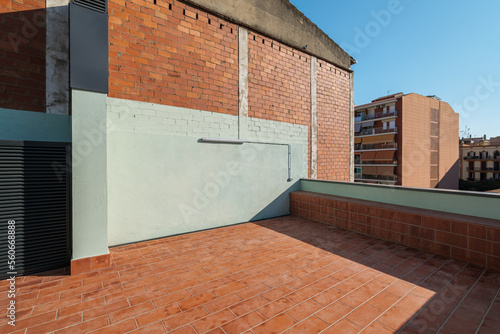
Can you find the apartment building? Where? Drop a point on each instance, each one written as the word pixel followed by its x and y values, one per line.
pixel 480 158
pixel 156 118
pixel 407 140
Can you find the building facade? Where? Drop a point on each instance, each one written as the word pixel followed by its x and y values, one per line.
pixel 480 159
pixel 408 140
pixel 181 115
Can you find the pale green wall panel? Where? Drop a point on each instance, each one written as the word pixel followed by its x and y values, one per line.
pixel 163 185
pixel 89 163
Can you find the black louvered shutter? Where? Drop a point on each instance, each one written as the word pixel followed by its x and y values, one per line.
pixel 97 5
pixel 35 192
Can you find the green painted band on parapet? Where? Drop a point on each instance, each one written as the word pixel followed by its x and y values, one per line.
pixel 475 204
pixel 34 126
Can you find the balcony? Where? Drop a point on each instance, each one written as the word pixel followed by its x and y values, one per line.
pixel 351 258
pixel 367 147
pixel 376 177
pixel 376 116
pixel 483 169
pixel 360 162
pixel 477 157
pixel 375 131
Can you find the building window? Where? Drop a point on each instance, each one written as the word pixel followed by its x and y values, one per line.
pixel 471 165
pixel 496 155
pixel 471 176
pixel 483 176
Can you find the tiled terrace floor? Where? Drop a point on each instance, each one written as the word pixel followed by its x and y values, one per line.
pixel 285 274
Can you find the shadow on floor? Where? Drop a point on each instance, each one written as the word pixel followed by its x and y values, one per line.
pixel 421 292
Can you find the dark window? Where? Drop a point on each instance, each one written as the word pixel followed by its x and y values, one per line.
pixel 497 165
pixel 483 176
pixel 471 165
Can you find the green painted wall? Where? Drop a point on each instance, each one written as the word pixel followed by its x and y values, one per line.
pixel 89 163
pixel 161 185
pixel 459 202
pixel 34 126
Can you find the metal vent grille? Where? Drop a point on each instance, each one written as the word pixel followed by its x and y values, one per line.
pixel 100 6
pixel 35 193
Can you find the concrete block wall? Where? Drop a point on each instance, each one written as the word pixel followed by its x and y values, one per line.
pixel 22 55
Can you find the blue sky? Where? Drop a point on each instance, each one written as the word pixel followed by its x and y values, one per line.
pixel 446 48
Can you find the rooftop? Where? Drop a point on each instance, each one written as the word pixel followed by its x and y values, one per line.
pixel 281 275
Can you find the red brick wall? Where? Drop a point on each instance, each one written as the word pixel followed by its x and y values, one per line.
pixel 333 103
pixel 279 83
pixel 279 87
pixel 22 55
pixel 471 239
pixel 172 54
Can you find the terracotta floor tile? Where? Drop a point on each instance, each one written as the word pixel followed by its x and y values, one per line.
pixel 324 283
pixel 304 310
pixel 121 327
pixel 130 312
pixel 85 327
pixel 276 293
pixel 378 328
pixel 158 314
pixel 243 323
pixel 302 294
pixel 252 290
pixel 395 318
pixel 329 296
pixel 412 302
pixel 157 327
pixel 266 277
pixel 400 288
pixel 276 307
pixel 356 298
pixel 311 325
pixel 56 324
pixel 333 313
pixel 383 300
pixel 275 325
pixel 184 330
pixel 374 287
pixel 105 309
pixel 364 315
pixel 344 327
pixel 213 321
